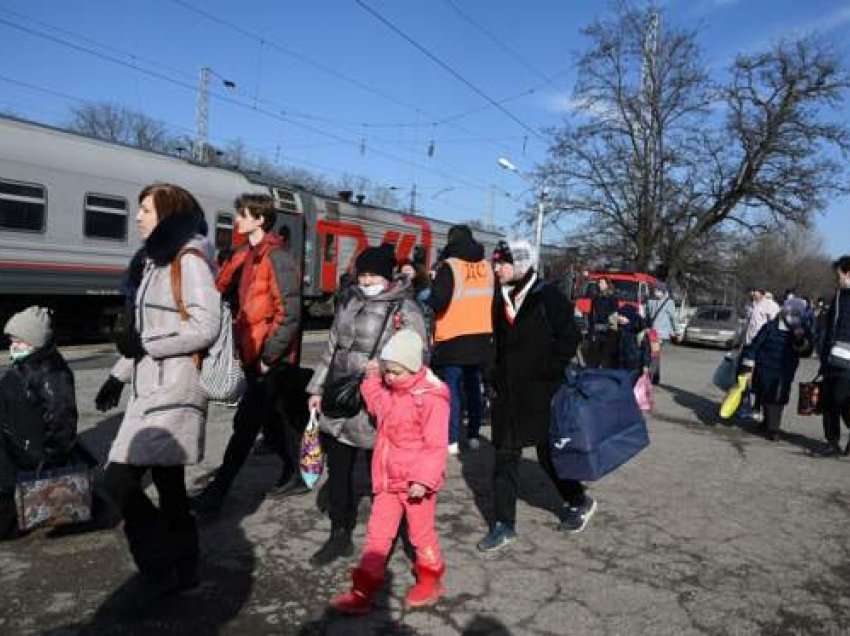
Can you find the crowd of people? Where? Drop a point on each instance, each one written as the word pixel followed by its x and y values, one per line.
pixel 400 379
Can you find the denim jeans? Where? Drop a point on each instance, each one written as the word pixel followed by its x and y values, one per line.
pixel 465 378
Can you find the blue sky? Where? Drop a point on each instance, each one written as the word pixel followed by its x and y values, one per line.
pixel 346 81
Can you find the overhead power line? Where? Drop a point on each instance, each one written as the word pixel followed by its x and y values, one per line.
pixel 495 39
pixel 449 69
pixel 227 99
pixel 432 118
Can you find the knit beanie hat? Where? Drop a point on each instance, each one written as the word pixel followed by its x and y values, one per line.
pixel 520 254
pixel 32 325
pixel 376 260
pixel 404 348
pixel 460 234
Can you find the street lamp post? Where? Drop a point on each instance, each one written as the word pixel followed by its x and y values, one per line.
pixel 506 164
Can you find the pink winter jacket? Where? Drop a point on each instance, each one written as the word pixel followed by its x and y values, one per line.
pixel 412 439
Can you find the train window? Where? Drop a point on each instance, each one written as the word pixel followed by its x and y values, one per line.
pixel 330 252
pixel 224 231
pixel 23 206
pixel 285 200
pixel 105 217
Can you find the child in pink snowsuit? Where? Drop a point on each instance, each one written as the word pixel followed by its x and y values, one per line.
pixel 411 406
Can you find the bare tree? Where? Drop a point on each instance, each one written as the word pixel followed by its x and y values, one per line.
pixel 116 123
pixel 663 161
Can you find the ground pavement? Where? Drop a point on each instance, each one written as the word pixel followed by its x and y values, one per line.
pixel 711 530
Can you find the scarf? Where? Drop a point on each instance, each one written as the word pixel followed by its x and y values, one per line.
pixel 514 297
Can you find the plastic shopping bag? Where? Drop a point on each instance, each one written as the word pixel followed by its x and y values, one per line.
pixel 733 398
pixel 724 376
pixel 643 392
pixel 312 461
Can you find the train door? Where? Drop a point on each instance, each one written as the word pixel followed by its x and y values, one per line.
pixel 290 227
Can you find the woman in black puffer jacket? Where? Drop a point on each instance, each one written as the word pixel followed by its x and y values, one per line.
pixel 38 408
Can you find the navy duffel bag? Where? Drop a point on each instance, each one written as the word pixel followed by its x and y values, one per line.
pixel 596 424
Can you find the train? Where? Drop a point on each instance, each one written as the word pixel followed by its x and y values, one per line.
pixel 67 223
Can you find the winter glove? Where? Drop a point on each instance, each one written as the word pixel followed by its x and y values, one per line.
pixel 128 342
pixel 109 394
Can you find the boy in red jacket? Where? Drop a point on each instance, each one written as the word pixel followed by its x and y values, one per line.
pixel 411 406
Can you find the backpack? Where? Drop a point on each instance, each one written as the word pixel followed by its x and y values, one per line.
pixel 596 424
pixel 221 377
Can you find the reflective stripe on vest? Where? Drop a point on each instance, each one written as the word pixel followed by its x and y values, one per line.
pixel 470 310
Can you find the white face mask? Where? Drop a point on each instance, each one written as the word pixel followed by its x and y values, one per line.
pixel 372 290
pixel 19 351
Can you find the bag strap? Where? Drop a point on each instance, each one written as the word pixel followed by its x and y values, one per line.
pixel 658 311
pixel 177 291
pixel 392 310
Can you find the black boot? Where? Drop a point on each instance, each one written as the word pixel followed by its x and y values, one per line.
pixel 289 487
pixel 210 500
pixel 149 544
pixel 8 518
pixel 338 545
pixel 188 554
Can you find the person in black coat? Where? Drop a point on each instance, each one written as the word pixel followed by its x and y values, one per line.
pixel 775 355
pixel 632 351
pixel 836 376
pixel 535 339
pixel 38 409
pixel 602 341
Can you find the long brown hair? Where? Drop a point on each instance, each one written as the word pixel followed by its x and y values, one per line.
pixel 170 199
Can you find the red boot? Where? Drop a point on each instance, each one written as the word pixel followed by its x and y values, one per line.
pixel 359 599
pixel 428 588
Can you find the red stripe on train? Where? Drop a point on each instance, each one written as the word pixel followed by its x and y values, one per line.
pixel 61 267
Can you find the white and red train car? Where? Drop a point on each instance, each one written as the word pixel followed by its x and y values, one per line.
pixel 67 222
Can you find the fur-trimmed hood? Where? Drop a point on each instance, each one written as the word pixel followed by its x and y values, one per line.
pixel 171 234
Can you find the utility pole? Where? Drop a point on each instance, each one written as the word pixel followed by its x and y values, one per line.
pixel 413 199
pixel 202 116
pixel 490 204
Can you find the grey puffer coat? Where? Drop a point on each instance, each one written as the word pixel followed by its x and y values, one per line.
pixel 354 331
pixel 165 420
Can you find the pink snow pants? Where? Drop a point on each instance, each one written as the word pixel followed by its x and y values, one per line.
pixel 387 510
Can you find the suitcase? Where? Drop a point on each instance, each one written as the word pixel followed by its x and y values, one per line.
pixel 596 424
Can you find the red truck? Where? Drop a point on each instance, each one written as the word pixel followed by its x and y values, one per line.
pixel 633 288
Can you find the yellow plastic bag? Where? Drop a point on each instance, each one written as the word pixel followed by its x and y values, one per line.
pixel 734 397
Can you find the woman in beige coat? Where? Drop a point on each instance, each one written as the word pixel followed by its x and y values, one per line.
pixel 164 424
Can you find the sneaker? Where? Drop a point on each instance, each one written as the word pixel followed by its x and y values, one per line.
pixel 500 535
pixel 832 449
pixel 453 448
pixel 474 443
pixel 757 417
pixel 575 518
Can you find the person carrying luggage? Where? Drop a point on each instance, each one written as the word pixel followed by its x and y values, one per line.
pixel 535 338
pixel 38 408
pixel 266 330
pixel 834 357
pixel 773 357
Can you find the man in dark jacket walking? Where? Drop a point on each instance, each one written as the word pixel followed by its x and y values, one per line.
pixel 266 330
pixel 535 337
pixel 835 365
pixel 461 298
pixel 38 408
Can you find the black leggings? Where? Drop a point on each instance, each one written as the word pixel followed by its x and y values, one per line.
pixel 342 507
pixel 159 538
pixel 506 481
